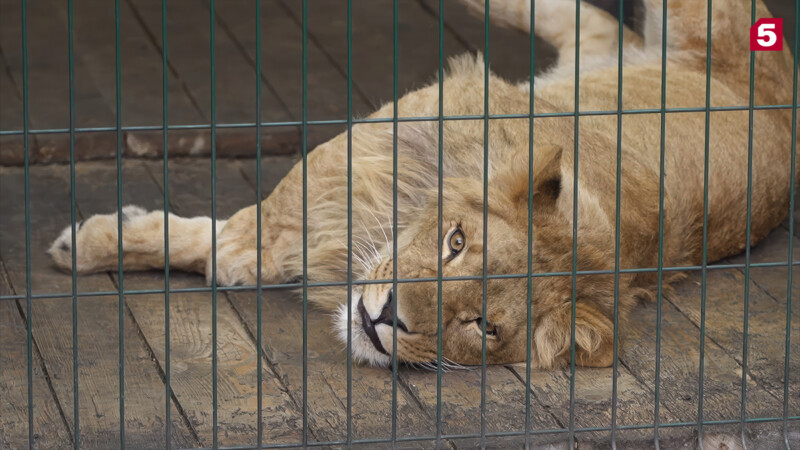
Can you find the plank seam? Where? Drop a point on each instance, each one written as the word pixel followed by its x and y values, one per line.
pixel 161 374
pixel 273 366
pixel 39 358
pixel 533 395
pixel 224 26
pixel 450 29
pixel 313 39
pixel 756 379
pixel 155 43
pixel 279 378
pixel 148 348
pixel 409 394
pixel 48 380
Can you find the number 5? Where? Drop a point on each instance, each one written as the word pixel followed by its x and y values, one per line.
pixel 767 30
pixel 767 34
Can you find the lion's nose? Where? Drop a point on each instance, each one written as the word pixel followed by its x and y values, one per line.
pixel 387 313
pixel 386 316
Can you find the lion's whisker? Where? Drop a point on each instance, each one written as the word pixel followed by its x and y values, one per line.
pixel 380 225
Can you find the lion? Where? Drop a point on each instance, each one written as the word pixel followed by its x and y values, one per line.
pixel 396 231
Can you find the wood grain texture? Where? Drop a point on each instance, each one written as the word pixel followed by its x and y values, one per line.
pixel 50 428
pixel 190 330
pixel 48 79
pixel 11 147
pixel 97 329
pixel 372 56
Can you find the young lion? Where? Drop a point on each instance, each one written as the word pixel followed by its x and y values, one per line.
pixel 505 246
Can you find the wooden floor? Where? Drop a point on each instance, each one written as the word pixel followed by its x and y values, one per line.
pixel 189 86
pixel 191 415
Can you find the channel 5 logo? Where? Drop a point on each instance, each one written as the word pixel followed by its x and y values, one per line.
pixel 767 35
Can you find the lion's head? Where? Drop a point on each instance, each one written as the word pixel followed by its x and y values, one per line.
pixel 504 315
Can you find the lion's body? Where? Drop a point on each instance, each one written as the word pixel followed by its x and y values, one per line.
pixel 554 150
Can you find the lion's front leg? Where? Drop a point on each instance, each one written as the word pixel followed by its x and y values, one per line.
pixel 237 253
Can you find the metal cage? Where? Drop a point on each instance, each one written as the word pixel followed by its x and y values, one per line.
pixel 526 429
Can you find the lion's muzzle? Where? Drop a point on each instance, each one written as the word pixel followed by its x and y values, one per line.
pixel 386 317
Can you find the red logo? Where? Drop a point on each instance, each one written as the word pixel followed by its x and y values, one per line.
pixel 767 35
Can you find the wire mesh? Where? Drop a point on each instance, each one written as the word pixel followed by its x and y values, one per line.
pixel 259 125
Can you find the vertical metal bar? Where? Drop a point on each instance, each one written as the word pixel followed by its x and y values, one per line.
pixel 349 223
pixel 120 267
pixel 27 164
pixel 213 82
pixel 395 67
pixel 165 145
pixel 575 225
pixel 259 299
pixel 304 148
pixel 746 328
pixel 617 231
pixel 73 225
pixel 529 299
pixel 789 268
pixel 660 272
pixel 439 206
pixel 484 281
pixel 704 263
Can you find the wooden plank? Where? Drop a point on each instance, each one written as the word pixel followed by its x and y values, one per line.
pixel 50 429
pixel 680 346
pixel 141 79
pixel 774 249
pixel 724 326
pixel 48 79
pixel 189 42
pixel 593 404
pixel 282 66
pixel 767 361
pixel 281 54
pixel 461 405
pixel 11 147
pixel 372 57
pixel 509 49
pixel 97 328
pixel 190 324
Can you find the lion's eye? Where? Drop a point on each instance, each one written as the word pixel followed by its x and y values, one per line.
pixel 456 242
pixel 491 330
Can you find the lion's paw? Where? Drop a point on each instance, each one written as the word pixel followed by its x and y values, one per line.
pixel 96 241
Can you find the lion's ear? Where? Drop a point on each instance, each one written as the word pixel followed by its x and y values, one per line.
pixel 546 178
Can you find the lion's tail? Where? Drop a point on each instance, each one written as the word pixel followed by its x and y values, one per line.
pixel 143 244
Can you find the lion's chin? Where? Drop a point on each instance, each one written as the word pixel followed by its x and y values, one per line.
pixel 362 349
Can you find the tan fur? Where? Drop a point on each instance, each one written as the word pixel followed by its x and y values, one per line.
pixel 506 243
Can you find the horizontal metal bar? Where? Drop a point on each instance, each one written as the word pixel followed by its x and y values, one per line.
pixel 208 289
pixel 386 120
pixel 506 433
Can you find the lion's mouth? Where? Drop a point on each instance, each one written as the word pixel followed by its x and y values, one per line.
pixel 386 318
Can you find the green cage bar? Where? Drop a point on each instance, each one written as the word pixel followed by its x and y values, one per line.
pixel 789 269
pixel 574 274
pixel 76 435
pixel 259 299
pixel 617 232
pixel 165 183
